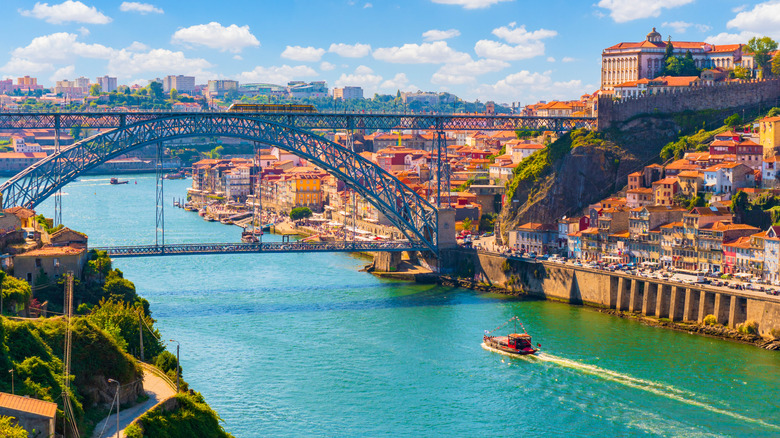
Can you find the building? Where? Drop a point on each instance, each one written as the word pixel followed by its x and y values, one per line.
pixel 429 99
pixel 218 88
pixel 12 163
pixel 52 260
pixel 107 83
pixel 237 183
pixel 625 62
pixel 32 414
pixel 71 89
pixel 303 90
pixel 769 136
pixel 346 93
pixel 28 84
pixel 534 237
pixel 180 83
pixel 22 146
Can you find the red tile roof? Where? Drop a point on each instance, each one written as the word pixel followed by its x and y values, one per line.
pixel 27 404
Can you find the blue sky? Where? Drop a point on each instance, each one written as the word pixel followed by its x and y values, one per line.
pixel 503 50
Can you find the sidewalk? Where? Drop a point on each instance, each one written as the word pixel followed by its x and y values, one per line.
pixel 156 387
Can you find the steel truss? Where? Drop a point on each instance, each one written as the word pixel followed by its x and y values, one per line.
pixel 410 213
pixel 341 121
pixel 267 247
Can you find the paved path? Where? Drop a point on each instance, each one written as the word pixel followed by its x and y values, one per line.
pixel 157 388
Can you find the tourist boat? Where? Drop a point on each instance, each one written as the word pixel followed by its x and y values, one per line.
pixel 116 181
pixel 177 175
pixel 249 237
pixel 514 343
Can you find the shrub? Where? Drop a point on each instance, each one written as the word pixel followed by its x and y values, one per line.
pixel 10 429
pixel 166 361
pixel 749 327
pixel 506 267
pixel 710 320
pixel 775 333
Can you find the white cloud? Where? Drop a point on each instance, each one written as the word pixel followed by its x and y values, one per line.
pixel 350 50
pixel 398 82
pixel 21 66
pixel 531 87
pixel 731 38
pixel 457 74
pixel 683 26
pixel 568 59
pixel 363 77
pixel 232 38
pixel 83 31
pixel 238 57
pixel 327 66
pixel 141 82
pixel 518 35
pixel 550 59
pixel 628 10
pixel 495 50
pixel 125 63
pixel 137 47
pixel 426 53
pixel 66 12
pixel 303 54
pixel 368 5
pixel 763 19
pixel 470 4
pixel 64 73
pixel 277 75
pixel 141 8
pixel 61 46
pixel 739 8
pixel 438 35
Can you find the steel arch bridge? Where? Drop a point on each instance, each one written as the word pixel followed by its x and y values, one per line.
pixel 415 217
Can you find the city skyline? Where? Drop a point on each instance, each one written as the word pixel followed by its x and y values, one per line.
pixel 502 50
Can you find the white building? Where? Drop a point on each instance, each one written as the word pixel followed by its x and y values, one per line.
pixel 180 83
pixel 346 93
pixel 769 172
pixel 107 84
pixel 21 146
pixel 237 183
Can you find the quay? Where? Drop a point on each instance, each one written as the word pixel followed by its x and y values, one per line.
pixel 652 297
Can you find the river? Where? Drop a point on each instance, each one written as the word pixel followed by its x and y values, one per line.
pixel 305 345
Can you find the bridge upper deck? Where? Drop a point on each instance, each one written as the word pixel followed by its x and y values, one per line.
pixel 341 121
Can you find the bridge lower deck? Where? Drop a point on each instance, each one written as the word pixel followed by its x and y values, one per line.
pixel 264 247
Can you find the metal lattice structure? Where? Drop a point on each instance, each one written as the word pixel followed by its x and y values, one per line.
pixel 340 121
pixel 170 249
pixel 411 214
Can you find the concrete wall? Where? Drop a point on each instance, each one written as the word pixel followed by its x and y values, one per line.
pixel 651 297
pixel 748 93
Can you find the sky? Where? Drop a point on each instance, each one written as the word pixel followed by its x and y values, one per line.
pixel 502 50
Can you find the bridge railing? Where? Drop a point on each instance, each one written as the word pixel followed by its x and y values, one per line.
pixel 265 247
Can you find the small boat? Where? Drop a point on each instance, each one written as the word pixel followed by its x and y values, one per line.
pixel 514 343
pixel 202 212
pixel 115 181
pixel 249 237
pixel 177 175
pixel 227 221
pixel 209 218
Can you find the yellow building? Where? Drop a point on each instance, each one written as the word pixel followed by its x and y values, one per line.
pixel 769 135
pixel 304 190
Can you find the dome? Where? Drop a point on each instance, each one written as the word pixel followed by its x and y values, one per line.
pixel 654 36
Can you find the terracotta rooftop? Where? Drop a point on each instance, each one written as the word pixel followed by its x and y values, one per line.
pixel 51 251
pixel 27 404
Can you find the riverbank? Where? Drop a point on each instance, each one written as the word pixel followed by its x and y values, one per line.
pixel 713 331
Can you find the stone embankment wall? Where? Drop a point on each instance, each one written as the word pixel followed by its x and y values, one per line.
pixel 650 297
pixel 743 94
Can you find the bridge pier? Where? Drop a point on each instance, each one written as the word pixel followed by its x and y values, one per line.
pixel 691 311
pixel 677 303
pixel 624 284
pixel 706 305
pixel 446 228
pixel 649 299
pixel 737 311
pixel 635 299
pixel 662 301
pixel 387 261
pixel 722 307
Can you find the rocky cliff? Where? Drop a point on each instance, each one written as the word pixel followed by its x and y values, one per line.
pixel 581 168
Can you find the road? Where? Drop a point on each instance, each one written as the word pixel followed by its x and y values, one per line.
pixel 157 388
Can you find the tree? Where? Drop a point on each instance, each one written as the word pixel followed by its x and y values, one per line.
pixel 215 153
pixel 94 90
pixel 466 224
pixel 9 428
pixel 156 90
pixel 776 65
pixel 119 288
pixel 15 290
pixel 174 94
pixel 299 213
pixel 760 48
pixel 733 120
pixel 741 72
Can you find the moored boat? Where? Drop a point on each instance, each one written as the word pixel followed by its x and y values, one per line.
pixel 514 343
pixel 115 181
pixel 249 237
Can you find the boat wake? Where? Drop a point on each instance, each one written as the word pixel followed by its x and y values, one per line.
pixel 656 388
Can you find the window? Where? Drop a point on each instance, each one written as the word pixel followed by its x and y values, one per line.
pixel 37 263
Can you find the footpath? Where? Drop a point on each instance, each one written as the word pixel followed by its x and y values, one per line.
pixel 156 385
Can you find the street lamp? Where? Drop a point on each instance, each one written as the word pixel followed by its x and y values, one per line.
pixel 117 405
pixel 177 363
pixel 12 381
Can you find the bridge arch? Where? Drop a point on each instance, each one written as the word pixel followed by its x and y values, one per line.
pixel 414 216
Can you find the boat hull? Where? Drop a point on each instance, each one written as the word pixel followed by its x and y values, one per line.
pixel 495 343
